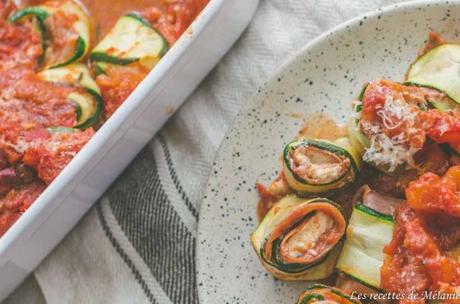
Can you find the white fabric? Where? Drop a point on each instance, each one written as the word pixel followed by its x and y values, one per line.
pixel 85 268
pixel 92 271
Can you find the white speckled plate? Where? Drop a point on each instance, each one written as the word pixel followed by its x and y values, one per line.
pixel 324 76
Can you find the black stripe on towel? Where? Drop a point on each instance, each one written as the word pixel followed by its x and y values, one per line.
pixel 156 231
pixel 123 255
pixel 172 172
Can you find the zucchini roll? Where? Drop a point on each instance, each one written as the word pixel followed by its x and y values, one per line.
pixel 319 293
pixel 438 69
pixel 362 255
pixel 36 17
pixel 357 138
pixel 64 42
pixel 318 166
pixel 300 239
pixel 86 96
pixel 131 40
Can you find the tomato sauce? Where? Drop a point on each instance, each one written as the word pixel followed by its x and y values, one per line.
pixel 117 84
pixel 20 46
pixel 427 228
pixel 16 202
pixel 170 18
pixel 63 35
pixel 36 117
pixel 50 156
pixel 423 255
pixel 29 106
pixel 431 158
pixel 399 112
pixel 392 109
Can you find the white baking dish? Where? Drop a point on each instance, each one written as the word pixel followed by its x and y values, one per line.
pixel 113 147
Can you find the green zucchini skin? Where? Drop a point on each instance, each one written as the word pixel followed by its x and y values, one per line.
pixel 95 110
pixel 361 94
pixel 80 51
pixel 374 213
pixel 319 292
pixel 39 16
pixel 357 138
pixel 139 18
pixel 103 57
pixel 37 12
pixel 342 148
pixel 131 40
pixel 438 69
pixel 368 232
pixel 321 268
pixel 89 104
pixel 81 27
pixel 99 68
pixel 445 105
pixel 43 12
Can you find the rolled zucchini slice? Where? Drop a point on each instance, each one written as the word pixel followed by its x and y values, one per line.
pixel 291 239
pixel 357 138
pixel 319 293
pixel 81 28
pixel 77 36
pixel 362 256
pixel 445 105
pixel 35 15
pixel 359 141
pixel 88 100
pixel 317 166
pixel 101 67
pixel 132 39
pixel 438 69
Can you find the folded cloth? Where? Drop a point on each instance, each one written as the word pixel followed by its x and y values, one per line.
pixel 137 244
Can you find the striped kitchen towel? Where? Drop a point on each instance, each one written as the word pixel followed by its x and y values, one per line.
pixel 137 245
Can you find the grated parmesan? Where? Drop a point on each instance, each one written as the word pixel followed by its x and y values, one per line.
pixel 20 146
pixel 391 152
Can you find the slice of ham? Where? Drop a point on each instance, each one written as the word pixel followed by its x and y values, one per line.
pixel 379 202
